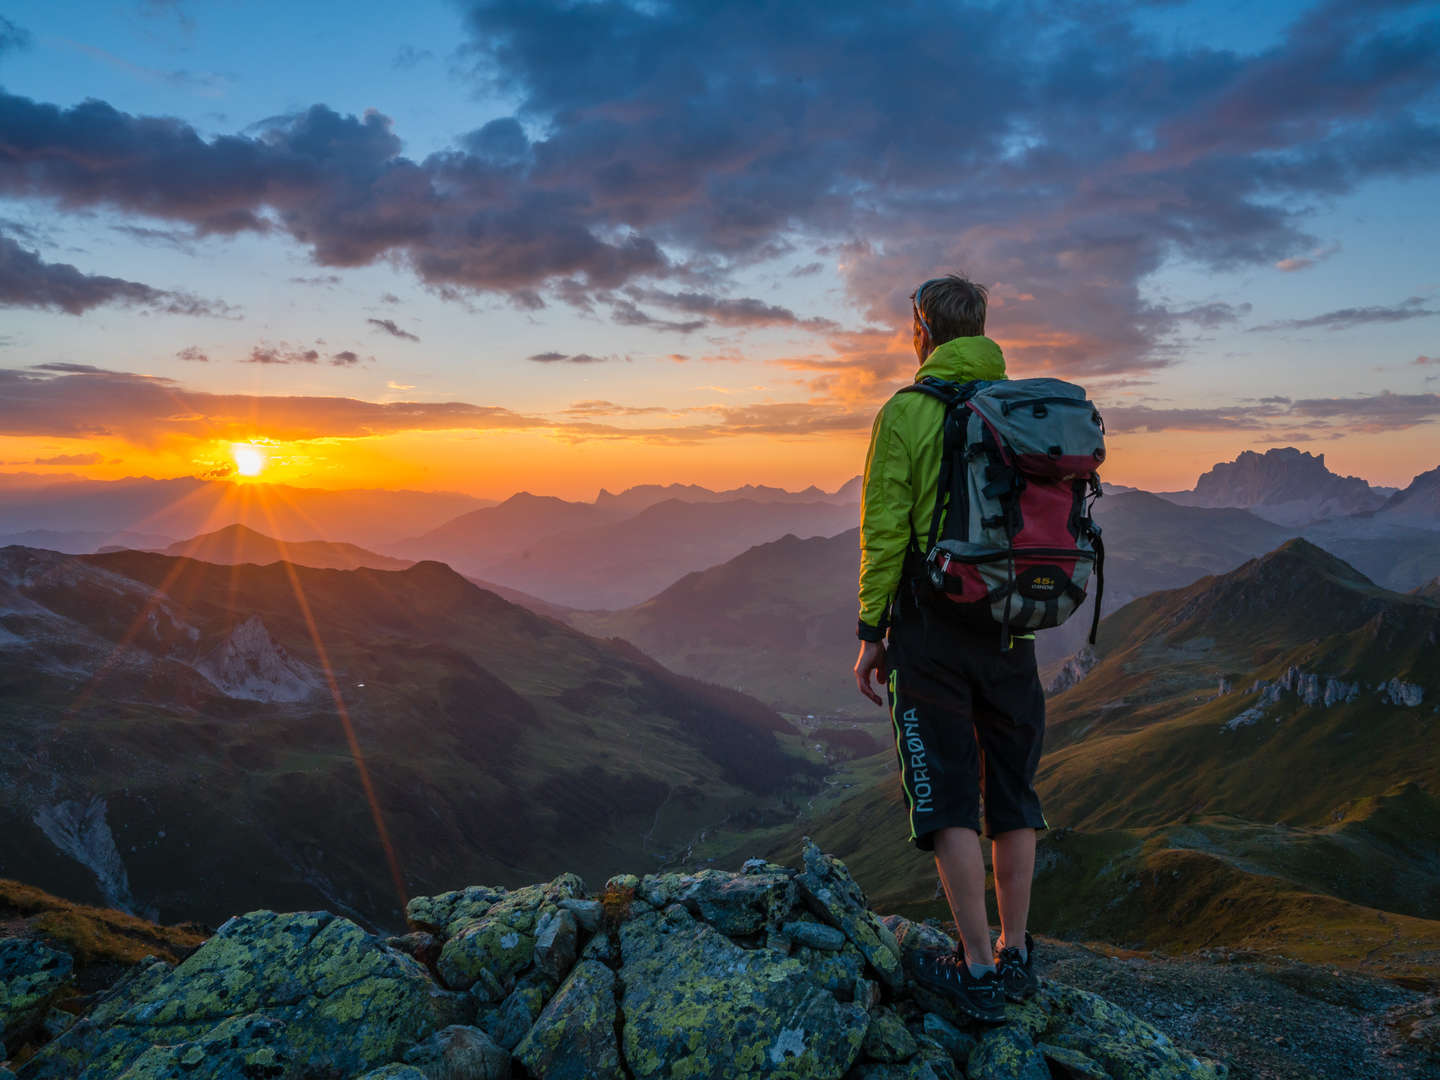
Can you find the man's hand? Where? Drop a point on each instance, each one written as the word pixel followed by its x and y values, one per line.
pixel 871 661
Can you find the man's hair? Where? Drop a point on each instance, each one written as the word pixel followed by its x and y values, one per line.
pixel 953 307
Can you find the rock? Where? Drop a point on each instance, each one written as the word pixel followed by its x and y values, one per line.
pixel 31 975
pixel 887 1039
pixel 347 1001
pixel 486 989
pixel 834 896
pixel 697 1005
pixel 837 972
pixel 437 913
pixel 1124 1045
pixel 556 938
pixel 1006 1053
pixel 241 1046
pixel 393 1071
pixel 56 1023
pixel 738 904
pixel 939 1060
pixel 603 947
pixel 814 934
pixel 912 1070
pixel 459 1053
pixel 508 1022
pixel 423 946
pixel 587 913
pixel 1071 1064
pixel 956 1042
pixel 574 1037
pixel 500 944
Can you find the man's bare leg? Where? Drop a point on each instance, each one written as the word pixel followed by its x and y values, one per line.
pixel 962 874
pixel 1013 856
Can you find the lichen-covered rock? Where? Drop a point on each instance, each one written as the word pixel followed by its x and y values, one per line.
pixel 887 1038
pixel 697 1005
pixel 574 1037
pixel 834 971
pixel 835 897
pixel 738 904
pixel 394 1071
pixel 957 1043
pixel 910 1070
pixel 557 936
pixel 31 975
pixel 459 1052
pixel 500 944
pixel 238 1047
pixel 604 947
pixel 1006 1053
pixel 940 1061
pixel 587 913
pixel 1072 1064
pixel 1127 1047
pixel 437 913
pixel 421 944
pixel 508 1022
pixel 815 935
pixel 348 1002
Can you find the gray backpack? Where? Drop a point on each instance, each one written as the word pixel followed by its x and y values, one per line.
pixel 1011 537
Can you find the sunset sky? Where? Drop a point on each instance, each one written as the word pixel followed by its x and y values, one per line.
pixel 485 247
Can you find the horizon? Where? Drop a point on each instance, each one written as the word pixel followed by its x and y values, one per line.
pixel 616 269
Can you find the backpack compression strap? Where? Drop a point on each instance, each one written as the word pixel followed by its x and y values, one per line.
pixel 952 395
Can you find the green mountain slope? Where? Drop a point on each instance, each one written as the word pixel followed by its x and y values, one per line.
pixel 174 741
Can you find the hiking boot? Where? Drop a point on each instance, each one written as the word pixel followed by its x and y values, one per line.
pixel 948 975
pixel 1017 975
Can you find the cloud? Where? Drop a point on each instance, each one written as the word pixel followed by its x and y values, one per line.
pixel 389 327
pixel 13 38
pixel 1427 359
pixel 79 400
pixel 408 57
pixel 280 354
pixel 63 459
pixel 1317 417
pixel 346 358
pixel 1072 155
pixel 1413 307
pixel 192 352
pixel 316 279
pixel 1304 262
pixel 626 313
pixel 28 281
pixel 563 358
pixel 742 311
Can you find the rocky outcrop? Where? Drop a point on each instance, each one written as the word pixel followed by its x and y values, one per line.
pixel 80 830
pixel 770 971
pixel 1311 688
pixel 1073 670
pixel 250 665
pixel 32 974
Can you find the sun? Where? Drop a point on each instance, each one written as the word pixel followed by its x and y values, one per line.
pixel 249 460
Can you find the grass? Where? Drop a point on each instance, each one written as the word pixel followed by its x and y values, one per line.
pixel 94 935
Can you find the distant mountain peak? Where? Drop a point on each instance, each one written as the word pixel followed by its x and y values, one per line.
pixel 1296 484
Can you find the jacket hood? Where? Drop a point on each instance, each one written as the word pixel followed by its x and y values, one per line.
pixel 965 358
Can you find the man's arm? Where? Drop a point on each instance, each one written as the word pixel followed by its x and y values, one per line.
pixel 884 522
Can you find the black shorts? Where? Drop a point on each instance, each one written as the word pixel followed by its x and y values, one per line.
pixel 969 722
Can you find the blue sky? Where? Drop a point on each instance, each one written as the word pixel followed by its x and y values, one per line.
pixel 704 221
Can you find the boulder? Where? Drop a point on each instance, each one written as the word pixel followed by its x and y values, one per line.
pixel 556 938
pixel 498 944
pixel 695 1004
pixel 815 935
pixel 1006 1053
pixel 887 1039
pixel 737 904
pixel 459 1052
pixel 437 914
pixel 240 1046
pixel 31 975
pixel 508 1022
pixel 347 1002
pixel 834 896
pixel 574 1037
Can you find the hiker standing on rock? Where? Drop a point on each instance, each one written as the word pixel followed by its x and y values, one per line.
pixel 999 476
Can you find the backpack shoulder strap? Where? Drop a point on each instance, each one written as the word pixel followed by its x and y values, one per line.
pixel 952 395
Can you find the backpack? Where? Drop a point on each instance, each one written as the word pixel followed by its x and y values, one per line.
pixel 1018 478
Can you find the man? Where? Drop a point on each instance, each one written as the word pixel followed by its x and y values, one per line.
pixel 968 715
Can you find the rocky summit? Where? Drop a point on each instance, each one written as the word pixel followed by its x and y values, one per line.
pixel 770 971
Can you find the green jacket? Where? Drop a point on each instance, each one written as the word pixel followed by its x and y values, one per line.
pixel 902 469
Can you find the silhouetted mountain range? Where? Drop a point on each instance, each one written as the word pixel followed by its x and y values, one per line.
pixel 1284 485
